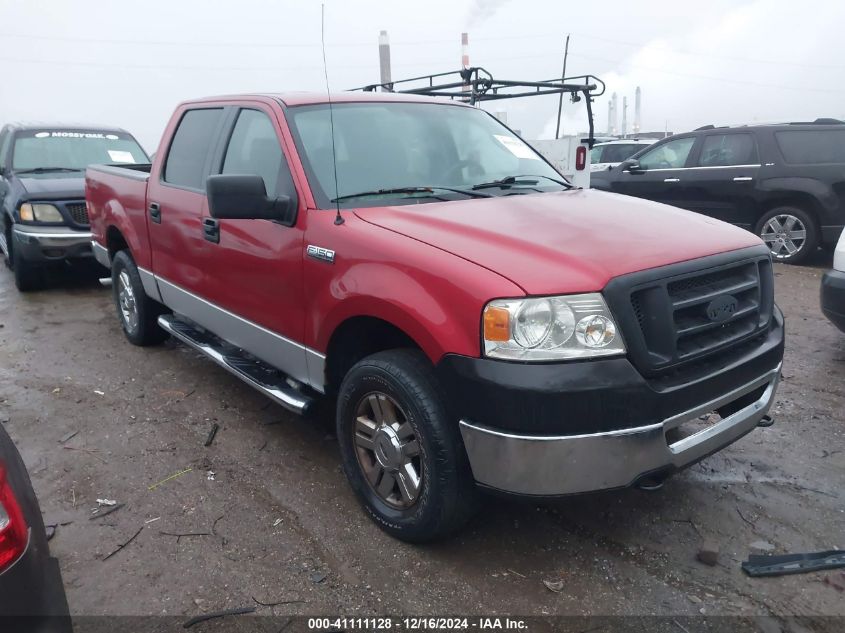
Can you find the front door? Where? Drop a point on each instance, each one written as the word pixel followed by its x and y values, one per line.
pixel 661 176
pixel 252 269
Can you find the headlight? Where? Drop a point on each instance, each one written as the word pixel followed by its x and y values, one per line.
pixel 40 213
pixel 550 328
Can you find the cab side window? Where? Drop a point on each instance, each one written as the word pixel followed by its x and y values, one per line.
pixel 188 152
pixel 255 149
pixel 722 150
pixel 671 155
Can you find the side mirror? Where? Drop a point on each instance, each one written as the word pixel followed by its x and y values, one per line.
pixel 632 166
pixel 243 197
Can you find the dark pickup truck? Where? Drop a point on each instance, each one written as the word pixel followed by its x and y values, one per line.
pixel 44 219
pixel 478 320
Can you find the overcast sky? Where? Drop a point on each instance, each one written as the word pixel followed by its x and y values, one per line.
pixel 719 61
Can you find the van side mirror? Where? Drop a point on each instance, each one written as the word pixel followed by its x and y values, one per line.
pixel 632 166
pixel 243 197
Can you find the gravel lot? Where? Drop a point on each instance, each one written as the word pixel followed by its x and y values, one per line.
pixel 277 522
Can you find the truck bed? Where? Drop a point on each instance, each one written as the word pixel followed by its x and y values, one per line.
pixel 117 195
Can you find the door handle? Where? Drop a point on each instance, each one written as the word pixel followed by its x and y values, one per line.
pixel 155 212
pixel 211 230
pixel 743 179
pixel 671 180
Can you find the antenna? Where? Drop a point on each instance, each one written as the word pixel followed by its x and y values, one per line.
pixel 338 219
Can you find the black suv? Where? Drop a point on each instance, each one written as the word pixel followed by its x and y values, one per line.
pixel 785 182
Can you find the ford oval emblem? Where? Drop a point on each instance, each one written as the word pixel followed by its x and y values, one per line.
pixel 722 308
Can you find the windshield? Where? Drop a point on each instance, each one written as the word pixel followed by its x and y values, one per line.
pixel 383 147
pixel 73 149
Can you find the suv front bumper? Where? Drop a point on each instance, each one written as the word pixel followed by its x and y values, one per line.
pixel 833 297
pixel 557 429
pixel 41 244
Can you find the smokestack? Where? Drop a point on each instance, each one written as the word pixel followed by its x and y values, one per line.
pixel 465 57
pixel 624 117
pixel 609 117
pixel 637 110
pixel 615 102
pixel 384 57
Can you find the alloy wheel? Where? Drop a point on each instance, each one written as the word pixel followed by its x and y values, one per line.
pixel 126 300
pixel 785 235
pixel 388 450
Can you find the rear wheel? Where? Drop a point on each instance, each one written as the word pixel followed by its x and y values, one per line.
pixel 138 313
pixel 790 233
pixel 401 451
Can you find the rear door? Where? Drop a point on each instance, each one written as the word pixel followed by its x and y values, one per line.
pixel 721 181
pixel 662 180
pixel 175 203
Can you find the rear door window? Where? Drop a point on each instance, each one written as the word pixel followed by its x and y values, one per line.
pixel 722 150
pixel 670 155
pixel 806 147
pixel 255 149
pixel 186 158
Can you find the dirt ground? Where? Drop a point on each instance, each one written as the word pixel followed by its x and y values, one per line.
pixel 277 521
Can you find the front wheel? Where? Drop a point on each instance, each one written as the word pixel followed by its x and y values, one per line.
pixel 138 313
pixel 28 276
pixel 401 451
pixel 790 233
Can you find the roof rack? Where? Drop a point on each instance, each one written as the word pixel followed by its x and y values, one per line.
pixel 475 84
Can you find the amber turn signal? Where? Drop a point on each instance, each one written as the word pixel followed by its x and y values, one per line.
pixel 497 325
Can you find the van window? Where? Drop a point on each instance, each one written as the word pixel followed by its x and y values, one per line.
pixel 254 149
pixel 805 147
pixel 720 150
pixel 670 155
pixel 185 164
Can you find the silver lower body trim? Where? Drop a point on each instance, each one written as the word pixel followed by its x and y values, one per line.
pixel 297 361
pixel 148 280
pixel 283 394
pixel 562 465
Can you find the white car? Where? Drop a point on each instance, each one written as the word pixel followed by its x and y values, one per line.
pixel 603 156
pixel 833 287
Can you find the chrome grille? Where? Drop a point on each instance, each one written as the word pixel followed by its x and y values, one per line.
pixel 689 316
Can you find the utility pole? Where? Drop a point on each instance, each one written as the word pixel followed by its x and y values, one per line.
pixel 562 77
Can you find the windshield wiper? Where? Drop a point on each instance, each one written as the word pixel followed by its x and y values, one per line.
pixel 45 170
pixel 410 190
pixel 519 181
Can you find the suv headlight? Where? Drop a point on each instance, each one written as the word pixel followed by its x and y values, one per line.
pixel 40 213
pixel 550 328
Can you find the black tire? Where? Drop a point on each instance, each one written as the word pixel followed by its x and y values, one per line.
pixel 807 247
pixel 28 276
pixel 447 497
pixel 146 331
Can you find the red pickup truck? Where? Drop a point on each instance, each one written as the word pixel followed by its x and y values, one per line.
pixel 480 322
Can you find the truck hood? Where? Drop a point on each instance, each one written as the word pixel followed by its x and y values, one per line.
pixel 53 186
pixel 564 242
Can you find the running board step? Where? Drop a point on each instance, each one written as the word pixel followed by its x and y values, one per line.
pixel 270 382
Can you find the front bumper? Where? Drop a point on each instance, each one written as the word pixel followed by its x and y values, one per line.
pixel 552 429
pixel 833 297
pixel 41 244
pixel 552 466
